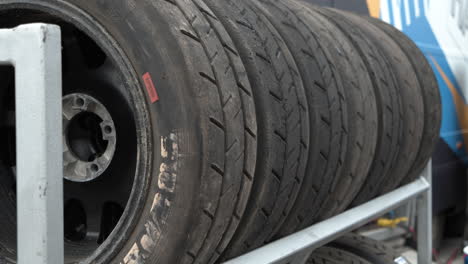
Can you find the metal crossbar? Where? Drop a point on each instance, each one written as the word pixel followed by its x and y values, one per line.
pixel 296 248
pixel 34 51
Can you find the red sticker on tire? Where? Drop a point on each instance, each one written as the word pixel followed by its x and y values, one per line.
pixel 150 88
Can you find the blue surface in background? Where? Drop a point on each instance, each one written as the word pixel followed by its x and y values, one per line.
pixel 419 30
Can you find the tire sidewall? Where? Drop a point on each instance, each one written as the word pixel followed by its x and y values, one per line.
pixel 168 176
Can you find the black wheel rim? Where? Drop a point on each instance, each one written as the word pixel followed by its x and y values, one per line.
pixel 99 214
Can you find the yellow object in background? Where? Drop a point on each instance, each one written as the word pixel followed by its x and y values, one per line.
pixel 374 8
pixel 383 222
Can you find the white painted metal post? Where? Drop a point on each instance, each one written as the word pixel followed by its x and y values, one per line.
pixel 35 52
pixel 424 226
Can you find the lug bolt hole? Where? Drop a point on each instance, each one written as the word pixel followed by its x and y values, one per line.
pixel 94 168
pixel 80 102
pixel 108 129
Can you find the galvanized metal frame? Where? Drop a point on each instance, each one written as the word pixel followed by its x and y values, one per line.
pixel 296 248
pixel 34 51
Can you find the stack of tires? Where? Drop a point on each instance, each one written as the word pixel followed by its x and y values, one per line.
pixel 248 120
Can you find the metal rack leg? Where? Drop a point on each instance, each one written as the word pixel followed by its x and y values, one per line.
pixel 425 220
pixel 35 52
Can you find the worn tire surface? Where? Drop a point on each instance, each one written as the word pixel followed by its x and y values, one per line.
pixel 282 115
pixel 430 93
pixel 412 102
pixel 327 106
pixel 356 248
pixel 210 237
pixel 369 249
pixel 201 134
pixel 224 194
pixel 388 102
pixel 362 122
pixel 329 255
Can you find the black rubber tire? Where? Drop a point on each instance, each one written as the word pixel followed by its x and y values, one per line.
pixel 372 250
pixel 357 248
pixel 390 110
pixel 201 134
pixel 7 179
pixel 327 106
pixel 412 104
pixel 430 93
pixel 218 224
pixel 362 125
pixel 328 255
pixel 8 217
pixel 283 122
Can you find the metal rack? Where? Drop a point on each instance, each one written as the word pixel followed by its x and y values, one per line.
pixel 35 52
pixel 296 248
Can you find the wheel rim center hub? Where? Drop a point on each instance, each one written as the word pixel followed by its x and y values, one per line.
pixel 89 137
